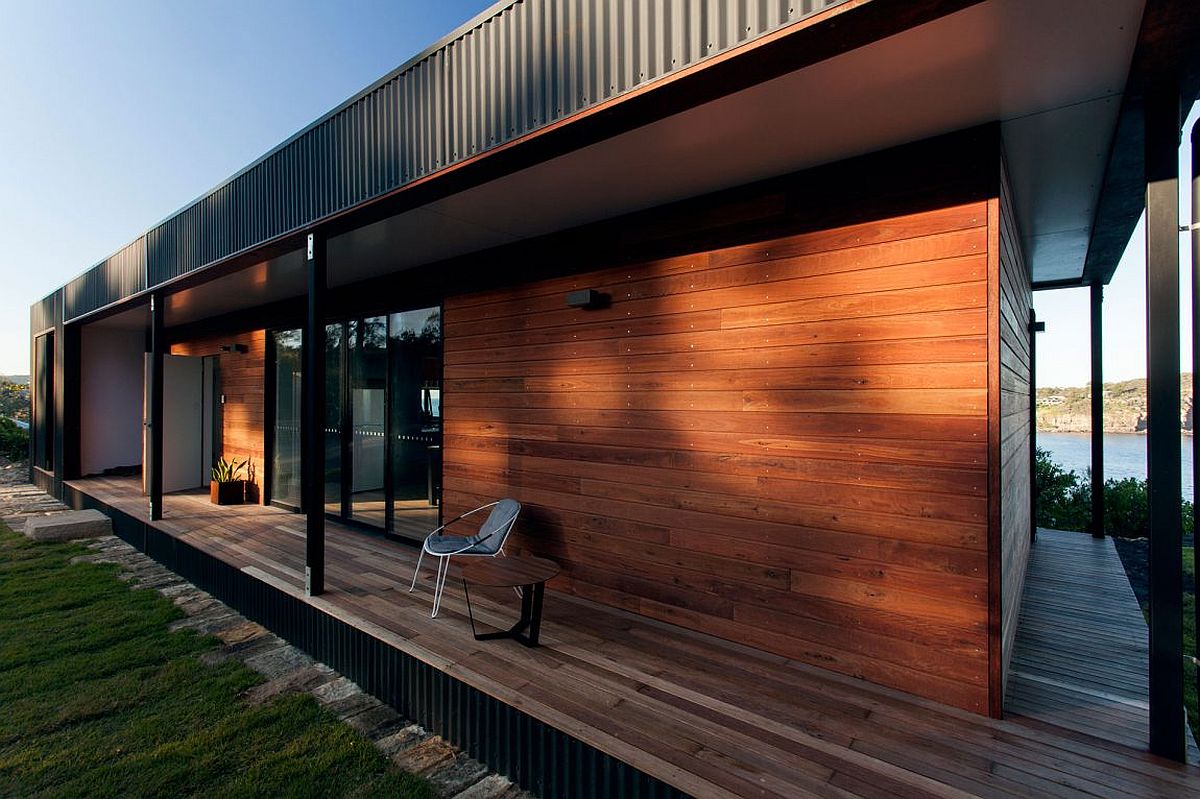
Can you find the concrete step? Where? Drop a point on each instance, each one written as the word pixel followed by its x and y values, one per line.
pixel 68 526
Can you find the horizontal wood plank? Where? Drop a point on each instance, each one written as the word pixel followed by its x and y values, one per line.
pixel 783 442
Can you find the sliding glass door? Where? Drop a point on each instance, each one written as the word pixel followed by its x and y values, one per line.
pixel 366 419
pixel 382 430
pixel 335 354
pixel 285 454
pixel 415 366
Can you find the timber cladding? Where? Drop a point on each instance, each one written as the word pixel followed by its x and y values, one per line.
pixel 242 381
pixel 1012 369
pixel 782 443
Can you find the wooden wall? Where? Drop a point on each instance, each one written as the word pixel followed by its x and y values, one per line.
pixel 788 427
pixel 1012 370
pixel 782 443
pixel 243 380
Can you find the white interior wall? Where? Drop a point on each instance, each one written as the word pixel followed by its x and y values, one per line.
pixel 111 399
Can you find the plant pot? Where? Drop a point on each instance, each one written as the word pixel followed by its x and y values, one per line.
pixel 251 495
pixel 232 493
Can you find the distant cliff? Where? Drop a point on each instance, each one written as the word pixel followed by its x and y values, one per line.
pixel 1069 410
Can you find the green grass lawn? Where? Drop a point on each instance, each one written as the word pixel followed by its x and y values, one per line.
pixel 99 699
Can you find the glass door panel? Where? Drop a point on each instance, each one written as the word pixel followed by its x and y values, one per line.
pixel 285 455
pixel 415 357
pixel 367 406
pixel 334 358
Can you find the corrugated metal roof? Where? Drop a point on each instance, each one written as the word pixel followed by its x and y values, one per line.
pixel 518 67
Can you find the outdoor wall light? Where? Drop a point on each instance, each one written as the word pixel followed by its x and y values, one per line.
pixel 240 349
pixel 587 298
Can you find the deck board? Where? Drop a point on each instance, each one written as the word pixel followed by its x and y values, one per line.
pixel 1082 647
pixel 707 716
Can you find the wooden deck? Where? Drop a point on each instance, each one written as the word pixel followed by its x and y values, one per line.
pixel 711 718
pixel 1080 660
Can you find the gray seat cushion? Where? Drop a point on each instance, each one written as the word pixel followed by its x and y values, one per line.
pixel 491 533
pixel 452 544
pixel 487 541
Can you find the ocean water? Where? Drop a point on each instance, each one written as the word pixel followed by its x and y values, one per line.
pixel 1124 454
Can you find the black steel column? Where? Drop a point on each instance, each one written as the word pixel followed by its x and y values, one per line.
pixel 1163 424
pixel 1035 327
pixel 157 352
pixel 1097 411
pixel 1195 367
pixel 312 379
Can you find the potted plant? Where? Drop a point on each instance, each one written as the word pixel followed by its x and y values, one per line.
pixel 227 486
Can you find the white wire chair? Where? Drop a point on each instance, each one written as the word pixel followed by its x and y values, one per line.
pixel 488 542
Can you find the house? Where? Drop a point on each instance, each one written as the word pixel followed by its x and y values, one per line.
pixel 792 411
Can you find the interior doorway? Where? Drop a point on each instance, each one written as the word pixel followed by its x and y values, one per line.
pixel 191 421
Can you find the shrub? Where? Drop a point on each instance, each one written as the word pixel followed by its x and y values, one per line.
pixel 14 442
pixel 1062 498
pixel 1063 501
pixel 1127 508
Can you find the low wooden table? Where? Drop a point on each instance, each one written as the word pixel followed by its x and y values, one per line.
pixel 515 571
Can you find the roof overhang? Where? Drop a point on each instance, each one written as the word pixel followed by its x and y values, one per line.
pixel 1167 54
pixel 1053 74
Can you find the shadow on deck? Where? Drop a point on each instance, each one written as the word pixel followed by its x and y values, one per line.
pixel 1081 656
pixel 694 714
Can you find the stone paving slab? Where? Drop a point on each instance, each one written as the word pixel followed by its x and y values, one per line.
pixel 288 670
pixel 68 526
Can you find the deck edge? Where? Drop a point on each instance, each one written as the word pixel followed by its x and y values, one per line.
pixel 531 753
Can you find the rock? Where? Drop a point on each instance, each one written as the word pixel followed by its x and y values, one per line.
pixel 491 787
pixel 425 756
pixel 457 776
pixel 391 745
pixel 68 526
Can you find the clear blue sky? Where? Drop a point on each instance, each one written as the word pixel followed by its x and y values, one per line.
pixel 117 113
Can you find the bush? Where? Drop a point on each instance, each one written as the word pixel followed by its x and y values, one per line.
pixel 14 442
pixel 1064 501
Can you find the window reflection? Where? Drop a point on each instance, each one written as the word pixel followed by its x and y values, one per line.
pixel 383 377
pixel 285 457
pixel 415 358
pixel 367 362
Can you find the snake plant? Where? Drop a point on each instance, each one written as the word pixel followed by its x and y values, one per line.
pixel 227 471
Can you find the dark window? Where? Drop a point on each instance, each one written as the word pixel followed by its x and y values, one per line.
pixel 285 457
pixel 415 365
pixel 43 402
pixel 383 420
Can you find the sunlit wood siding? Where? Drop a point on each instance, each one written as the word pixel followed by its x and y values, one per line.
pixel 242 383
pixel 783 443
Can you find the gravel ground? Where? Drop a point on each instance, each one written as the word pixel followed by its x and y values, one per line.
pixel 1135 554
pixel 13 473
